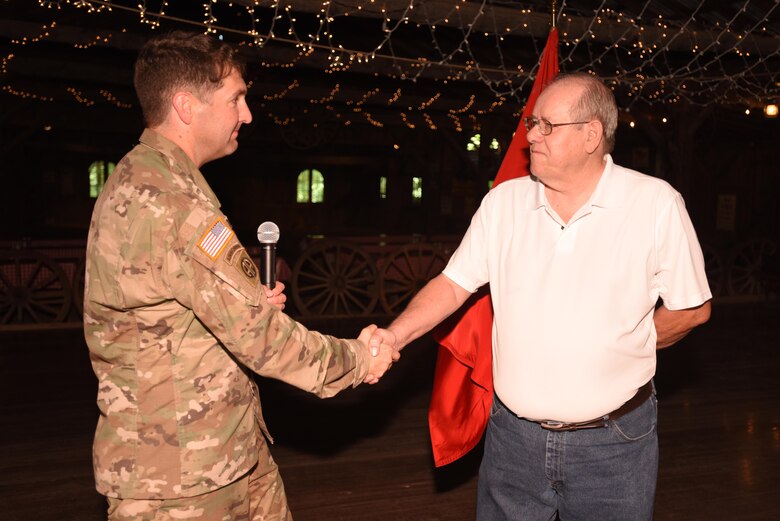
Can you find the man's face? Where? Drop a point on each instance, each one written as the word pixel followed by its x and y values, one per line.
pixel 217 119
pixel 559 155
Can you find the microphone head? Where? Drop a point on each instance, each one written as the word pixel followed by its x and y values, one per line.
pixel 268 233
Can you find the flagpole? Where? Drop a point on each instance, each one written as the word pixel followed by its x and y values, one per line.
pixel 554 12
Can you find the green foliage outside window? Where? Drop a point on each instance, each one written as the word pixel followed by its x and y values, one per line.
pixel 417 189
pixel 311 187
pixel 98 173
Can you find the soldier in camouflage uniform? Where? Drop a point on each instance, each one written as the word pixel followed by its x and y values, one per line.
pixel 176 319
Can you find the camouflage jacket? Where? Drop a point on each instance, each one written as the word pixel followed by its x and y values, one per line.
pixel 174 314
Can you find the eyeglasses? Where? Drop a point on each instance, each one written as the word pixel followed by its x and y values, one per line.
pixel 545 127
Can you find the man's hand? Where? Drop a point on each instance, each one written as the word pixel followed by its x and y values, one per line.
pixel 672 326
pixel 384 337
pixel 275 296
pixel 382 356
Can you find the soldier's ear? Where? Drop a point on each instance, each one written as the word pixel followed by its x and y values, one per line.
pixel 182 103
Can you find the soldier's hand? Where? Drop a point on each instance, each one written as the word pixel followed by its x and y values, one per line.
pixel 276 296
pixel 382 356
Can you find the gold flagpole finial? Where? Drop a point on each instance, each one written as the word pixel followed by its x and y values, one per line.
pixel 554 12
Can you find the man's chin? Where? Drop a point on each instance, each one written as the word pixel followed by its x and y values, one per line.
pixel 231 147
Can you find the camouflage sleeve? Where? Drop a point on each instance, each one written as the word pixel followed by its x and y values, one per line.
pixel 210 272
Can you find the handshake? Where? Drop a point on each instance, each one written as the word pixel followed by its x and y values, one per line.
pixel 381 344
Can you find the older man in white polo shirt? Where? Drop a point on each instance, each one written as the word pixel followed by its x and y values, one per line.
pixel 577 257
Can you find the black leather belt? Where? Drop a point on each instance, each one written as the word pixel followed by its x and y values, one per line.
pixel 642 394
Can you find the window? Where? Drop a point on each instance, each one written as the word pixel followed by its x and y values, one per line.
pixel 311 187
pixel 383 187
pixel 416 189
pixel 476 141
pixel 98 172
pixel 473 144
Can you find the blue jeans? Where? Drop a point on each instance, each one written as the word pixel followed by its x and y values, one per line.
pixel 529 473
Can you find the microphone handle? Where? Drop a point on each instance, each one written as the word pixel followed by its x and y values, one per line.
pixel 268 265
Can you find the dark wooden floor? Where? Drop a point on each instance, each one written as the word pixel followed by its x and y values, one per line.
pixel 365 454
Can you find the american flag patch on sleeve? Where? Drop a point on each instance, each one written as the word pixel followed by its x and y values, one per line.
pixel 215 239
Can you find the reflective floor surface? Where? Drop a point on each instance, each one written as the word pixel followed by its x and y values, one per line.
pixel 364 455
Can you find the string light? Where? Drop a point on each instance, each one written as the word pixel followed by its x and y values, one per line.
pixel 328 98
pixel 283 93
pixel 429 121
pixel 37 38
pixel 466 107
pixel 113 100
pixel 406 121
pixel 97 40
pixel 732 60
pixel 395 97
pixel 24 94
pixel 154 22
pixel 427 104
pixel 373 121
pixel 80 97
pixel 456 122
pixel 4 63
pixel 365 97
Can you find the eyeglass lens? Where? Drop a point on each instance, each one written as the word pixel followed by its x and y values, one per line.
pixel 544 126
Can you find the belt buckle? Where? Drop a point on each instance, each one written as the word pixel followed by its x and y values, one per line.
pixel 555 425
pixel 552 425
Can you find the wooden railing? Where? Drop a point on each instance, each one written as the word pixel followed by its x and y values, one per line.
pixel 42 282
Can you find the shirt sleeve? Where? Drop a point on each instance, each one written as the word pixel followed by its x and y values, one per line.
pixel 468 266
pixel 681 278
pixel 210 272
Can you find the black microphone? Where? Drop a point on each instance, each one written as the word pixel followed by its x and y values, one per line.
pixel 268 235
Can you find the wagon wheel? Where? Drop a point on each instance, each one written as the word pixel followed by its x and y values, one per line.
pixel 713 265
pixel 405 272
pixel 334 278
pixel 78 286
pixel 33 288
pixel 746 266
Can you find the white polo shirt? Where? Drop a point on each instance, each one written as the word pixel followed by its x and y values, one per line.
pixel 573 332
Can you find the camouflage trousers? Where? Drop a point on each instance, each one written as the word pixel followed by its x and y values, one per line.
pixel 258 496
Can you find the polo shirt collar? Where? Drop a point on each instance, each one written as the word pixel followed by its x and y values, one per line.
pixel 609 192
pixel 180 160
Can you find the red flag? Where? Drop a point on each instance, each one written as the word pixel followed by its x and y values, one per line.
pixel 463 381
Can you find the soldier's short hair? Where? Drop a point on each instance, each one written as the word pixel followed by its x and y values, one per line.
pixel 180 60
pixel 596 102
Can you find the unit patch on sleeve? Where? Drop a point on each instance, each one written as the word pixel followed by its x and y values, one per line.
pixel 248 267
pixel 215 239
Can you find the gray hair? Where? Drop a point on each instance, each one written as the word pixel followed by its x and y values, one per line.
pixel 596 102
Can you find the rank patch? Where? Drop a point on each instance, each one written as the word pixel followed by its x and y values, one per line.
pixel 215 239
